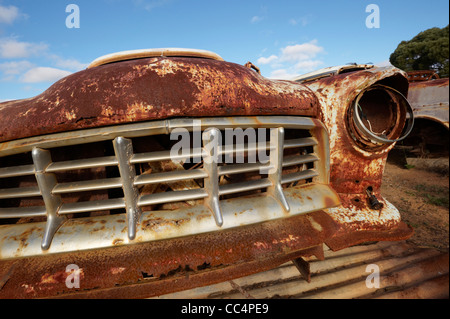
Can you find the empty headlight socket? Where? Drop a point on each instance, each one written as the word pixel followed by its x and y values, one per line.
pixel 379 116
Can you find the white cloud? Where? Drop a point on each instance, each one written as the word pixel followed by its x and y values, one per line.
pixel 15 67
pixel 44 74
pixel 8 14
pixel 305 20
pixel 10 48
pixel 70 64
pixel 309 65
pixel 299 52
pixel 150 5
pixel 282 74
pixel 256 19
pixel 28 72
pixel 294 60
pixel 271 59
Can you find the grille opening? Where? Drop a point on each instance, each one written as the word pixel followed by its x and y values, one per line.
pixel 81 151
pixel 18 182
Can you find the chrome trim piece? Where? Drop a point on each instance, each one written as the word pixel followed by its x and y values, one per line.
pixel 276 159
pixel 211 183
pixel 123 148
pixel 46 182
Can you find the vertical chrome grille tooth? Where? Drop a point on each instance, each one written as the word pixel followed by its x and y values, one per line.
pixel 46 183
pixel 211 183
pixel 123 148
pixel 276 160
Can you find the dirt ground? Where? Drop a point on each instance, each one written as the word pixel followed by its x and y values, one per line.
pixel 422 197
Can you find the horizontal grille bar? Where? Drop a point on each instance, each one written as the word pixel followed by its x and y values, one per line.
pixel 15 171
pixel 297 160
pixel 82 164
pixel 244 186
pixel 242 168
pixel 92 206
pixel 170 197
pixel 300 142
pixel 163 156
pixel 20 192
pixel 298 176
pixel 23 212
pixel 84 186
pixel 168 177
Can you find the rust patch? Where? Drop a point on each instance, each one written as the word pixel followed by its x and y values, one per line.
pixel 347 239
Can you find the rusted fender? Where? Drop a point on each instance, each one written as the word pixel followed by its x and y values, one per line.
pixel 149 89
pixel 353 170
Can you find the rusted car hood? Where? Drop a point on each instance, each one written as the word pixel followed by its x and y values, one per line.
pixel 152 88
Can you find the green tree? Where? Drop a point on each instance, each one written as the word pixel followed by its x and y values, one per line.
pixel 426 51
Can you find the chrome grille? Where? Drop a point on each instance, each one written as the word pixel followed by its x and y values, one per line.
pixel 301 157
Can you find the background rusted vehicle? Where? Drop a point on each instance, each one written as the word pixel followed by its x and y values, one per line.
pixel 429 97
pixel 87 177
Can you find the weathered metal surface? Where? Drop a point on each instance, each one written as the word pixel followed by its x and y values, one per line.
pixel 151 269
pixel 150 89
pixel 405 272
pixel 430 100
pixel 354 170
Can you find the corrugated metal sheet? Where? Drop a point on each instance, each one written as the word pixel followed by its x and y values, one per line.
pixel 406 271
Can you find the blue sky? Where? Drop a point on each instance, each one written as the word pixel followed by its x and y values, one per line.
pixel 283 38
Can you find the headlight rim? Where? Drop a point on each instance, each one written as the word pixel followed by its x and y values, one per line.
pixel 378 141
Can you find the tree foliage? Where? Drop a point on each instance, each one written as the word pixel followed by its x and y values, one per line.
pixel 429 50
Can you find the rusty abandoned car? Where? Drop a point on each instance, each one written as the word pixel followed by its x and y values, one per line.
pixel 429 98
pixel 87 177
